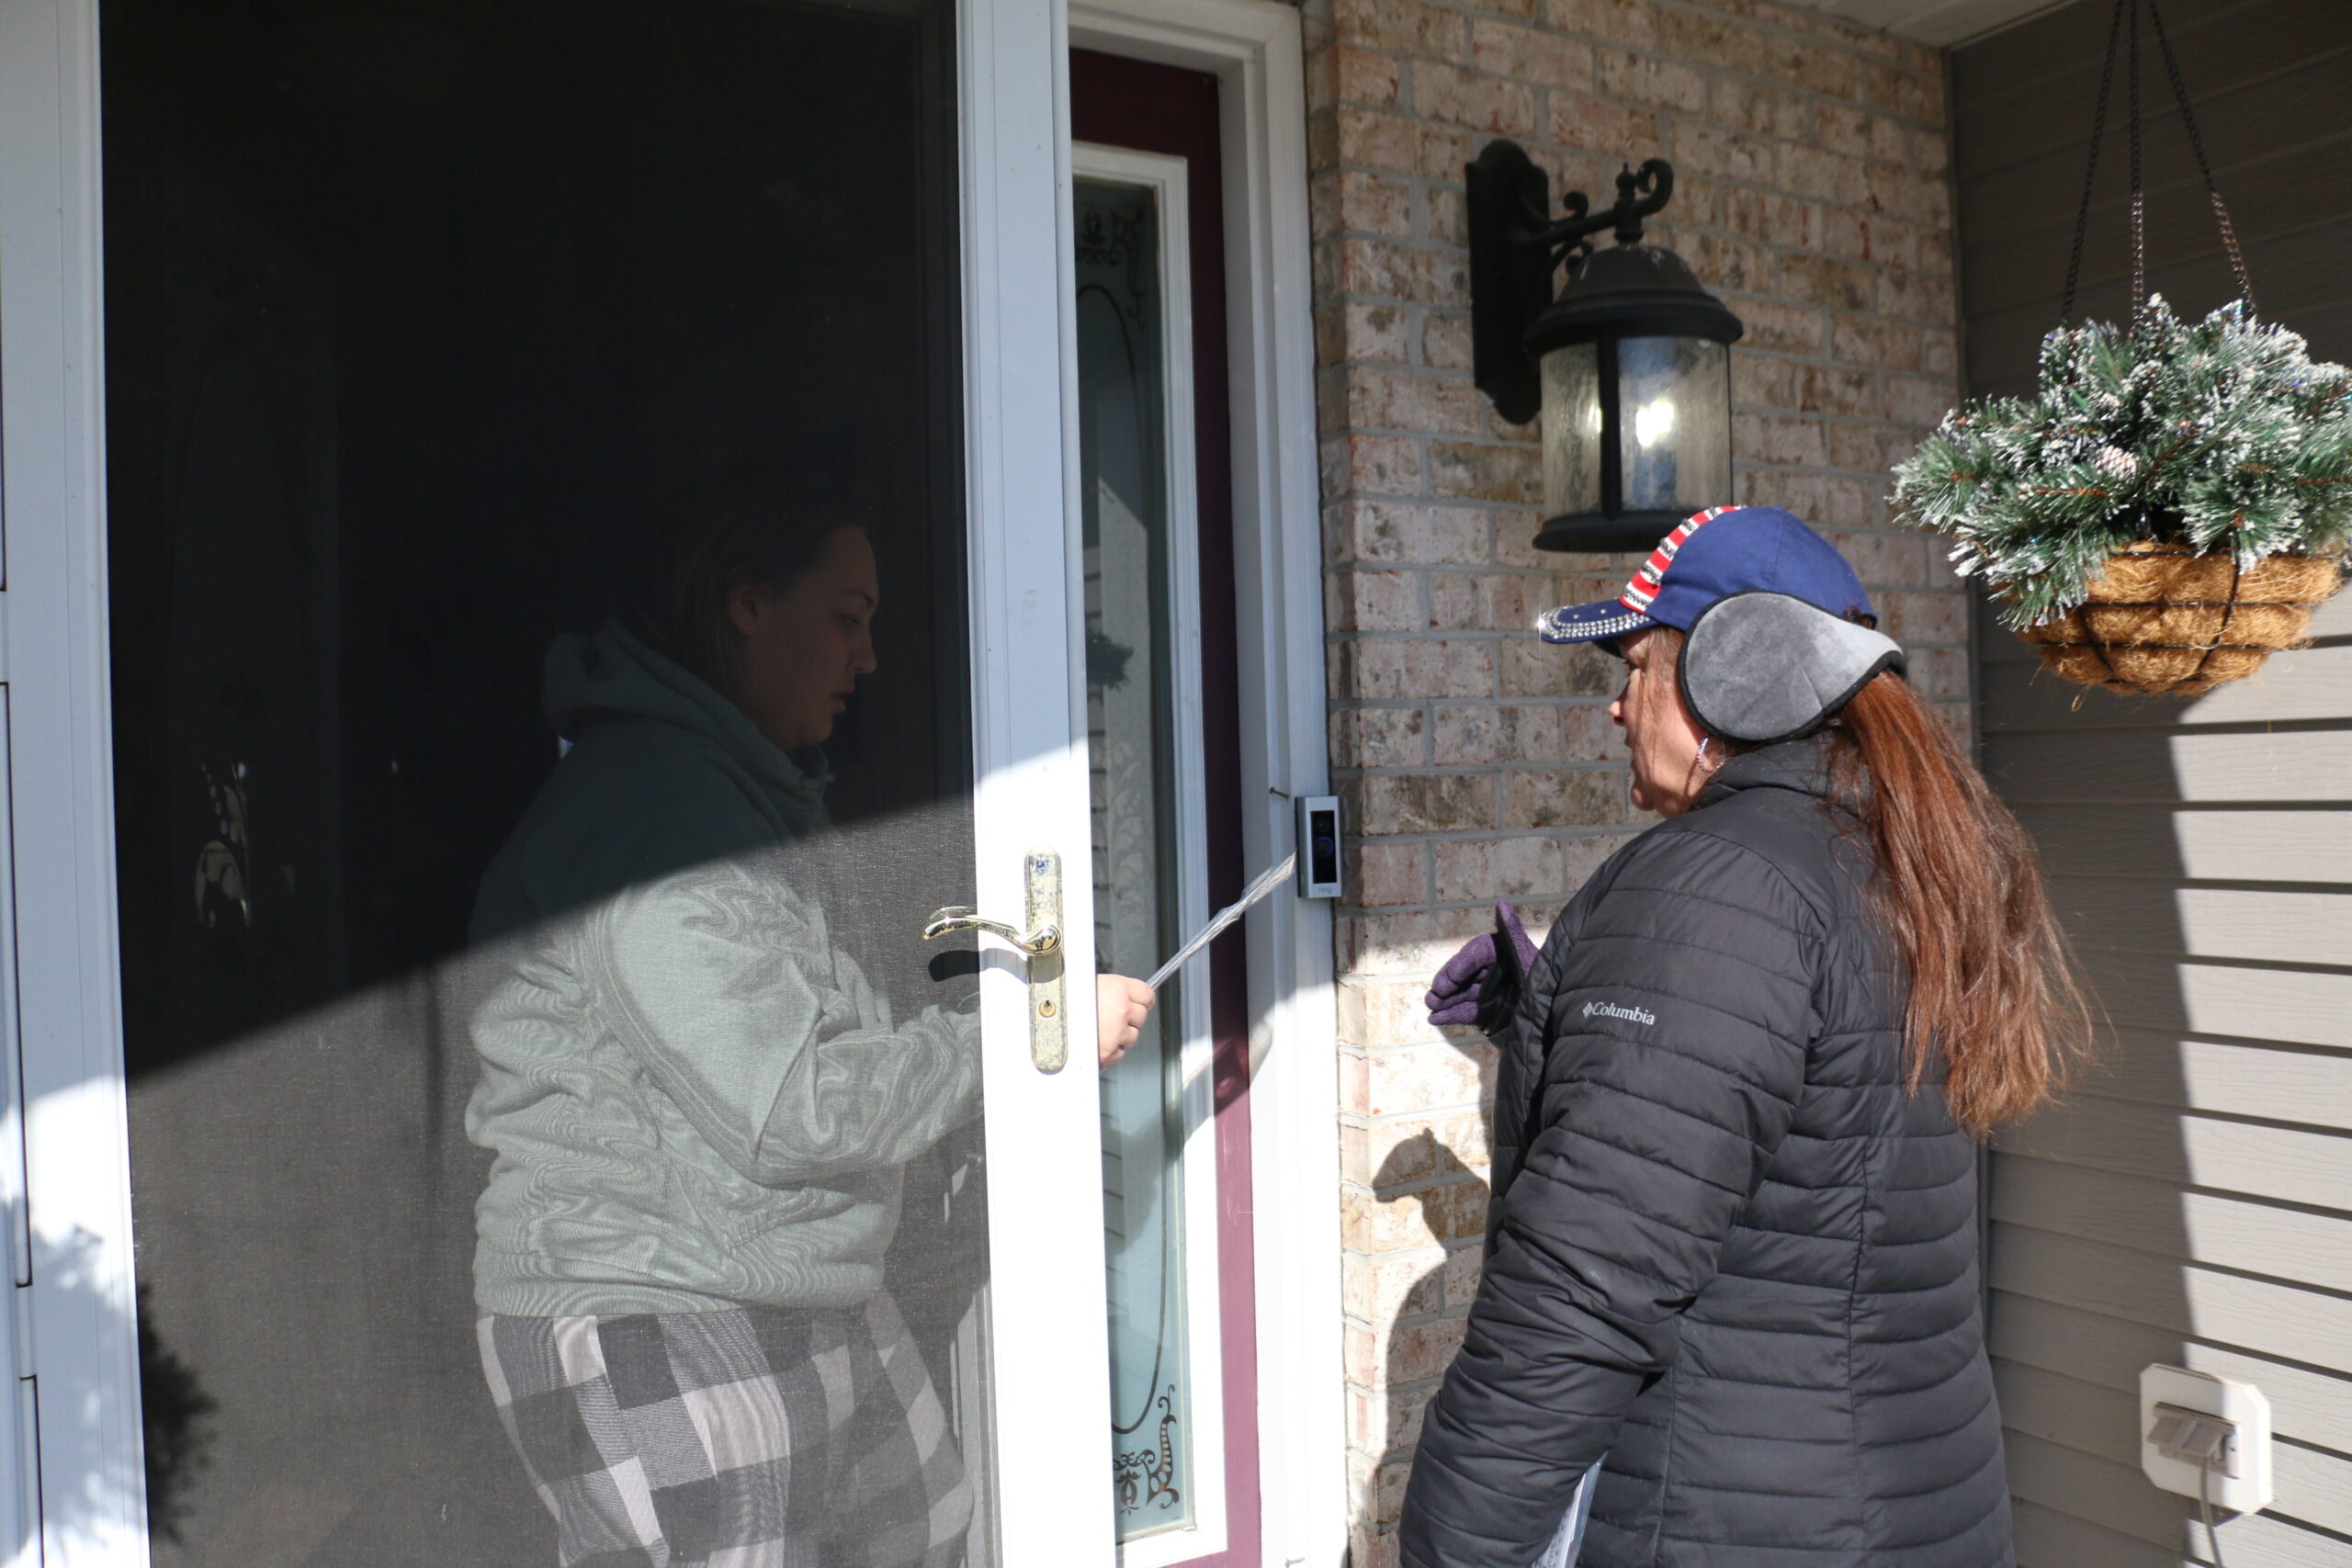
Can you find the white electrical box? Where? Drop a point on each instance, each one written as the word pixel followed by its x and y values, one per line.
pixel 2184 1414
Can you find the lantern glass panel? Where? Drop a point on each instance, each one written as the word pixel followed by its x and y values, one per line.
pixel 1572 429
pixel 1674 422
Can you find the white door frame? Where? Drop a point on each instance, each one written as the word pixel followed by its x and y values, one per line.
pixel 1029 739
pixel 1253 48
pixel 78 1319
pixel 1047 1261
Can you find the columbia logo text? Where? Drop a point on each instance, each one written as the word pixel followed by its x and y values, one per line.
pixel 1611 1009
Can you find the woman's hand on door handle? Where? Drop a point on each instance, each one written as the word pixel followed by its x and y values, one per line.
pixel 1120 1007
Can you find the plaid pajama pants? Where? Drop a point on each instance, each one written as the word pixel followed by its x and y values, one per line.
pixel 753 1438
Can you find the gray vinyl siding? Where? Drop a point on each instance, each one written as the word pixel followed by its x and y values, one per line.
pixel 2192 1201
pixel 2269 79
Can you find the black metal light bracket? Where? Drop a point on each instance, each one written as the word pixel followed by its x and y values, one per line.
pixel 1516 245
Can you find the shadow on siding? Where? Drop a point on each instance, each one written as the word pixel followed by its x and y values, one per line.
pixel 2178 1206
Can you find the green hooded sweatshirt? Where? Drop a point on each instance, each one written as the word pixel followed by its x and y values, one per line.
pixel 662 774
pixel 695 1100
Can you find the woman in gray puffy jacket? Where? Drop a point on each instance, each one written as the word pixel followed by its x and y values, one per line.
pixel 1730 1304
pixel 700 1107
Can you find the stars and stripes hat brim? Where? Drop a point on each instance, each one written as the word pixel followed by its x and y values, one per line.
pixel 1601 622
pixel 1606 620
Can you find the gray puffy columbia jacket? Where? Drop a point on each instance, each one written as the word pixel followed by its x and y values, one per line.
pixel 1730 1257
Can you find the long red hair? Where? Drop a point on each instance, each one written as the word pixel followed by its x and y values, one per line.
pixel 1993 987
pixel 1994 995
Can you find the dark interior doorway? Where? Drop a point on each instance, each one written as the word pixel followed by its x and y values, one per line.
pixel 425 319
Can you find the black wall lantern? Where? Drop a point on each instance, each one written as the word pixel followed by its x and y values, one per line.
pixel 1630 367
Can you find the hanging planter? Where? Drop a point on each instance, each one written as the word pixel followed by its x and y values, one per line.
pixel 2166 513
pixel 2167 510
pixel 2164 618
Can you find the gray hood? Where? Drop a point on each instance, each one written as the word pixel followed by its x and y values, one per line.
pixel 611 672
pixel 663 773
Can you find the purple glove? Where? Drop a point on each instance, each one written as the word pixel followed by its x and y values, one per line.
pixel 1460 992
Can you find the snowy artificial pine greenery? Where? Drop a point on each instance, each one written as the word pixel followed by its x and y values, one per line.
pixel 2224 434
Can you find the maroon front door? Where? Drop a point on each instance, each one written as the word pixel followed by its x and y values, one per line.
pixel 1164 721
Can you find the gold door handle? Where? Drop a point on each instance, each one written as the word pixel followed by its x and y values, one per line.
pixel 955 917
pixel 1041 945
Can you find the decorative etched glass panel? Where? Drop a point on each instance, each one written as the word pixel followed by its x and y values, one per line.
pixel 1135 663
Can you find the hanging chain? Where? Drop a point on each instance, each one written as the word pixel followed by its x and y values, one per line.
pixel 2123 41
pixel 2090 174
pixel 2204 165
pixel 2139 190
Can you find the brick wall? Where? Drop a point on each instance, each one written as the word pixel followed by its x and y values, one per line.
pixel 1812 194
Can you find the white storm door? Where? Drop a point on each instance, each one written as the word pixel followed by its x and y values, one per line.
pixel 1052 1354
pixel 1026 1369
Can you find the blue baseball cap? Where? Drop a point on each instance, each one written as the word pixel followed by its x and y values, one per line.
pixel 1709 557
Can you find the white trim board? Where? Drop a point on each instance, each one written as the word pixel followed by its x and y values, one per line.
pixel 1253 47
pixel 1943 23
pixel 82 1329
pixel 1029 746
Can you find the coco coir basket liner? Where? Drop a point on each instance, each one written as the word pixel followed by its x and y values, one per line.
pixel 2164 619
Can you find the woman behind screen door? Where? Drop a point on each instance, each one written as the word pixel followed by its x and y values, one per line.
pixel 1731 1269
pixel 700 1107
